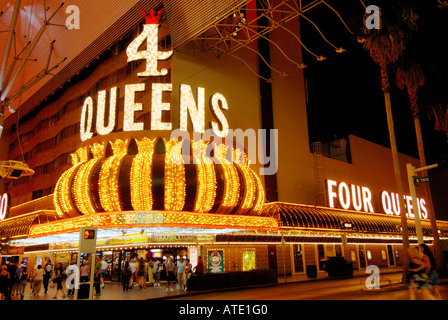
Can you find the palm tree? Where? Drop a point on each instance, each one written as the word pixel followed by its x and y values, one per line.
pixel 410 78
pixel 440 113
pixel 385 46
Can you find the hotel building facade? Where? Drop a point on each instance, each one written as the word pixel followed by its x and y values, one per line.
pixel 100 146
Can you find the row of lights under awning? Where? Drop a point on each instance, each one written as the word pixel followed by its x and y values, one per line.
pixel 219 236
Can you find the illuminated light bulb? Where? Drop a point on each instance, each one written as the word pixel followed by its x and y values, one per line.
pixel 63 199
pixel 101 112
pixel 108 180
pixel 81 185
pixel 130 107
pixel 249 190
pixel 141 179
pixel 151 54
pixel 261 196
pixel 86 122
pixel 174 176
pixel 188 107
pixel 216 110
pixel 231 181
pixel 206 181
pixel 158 106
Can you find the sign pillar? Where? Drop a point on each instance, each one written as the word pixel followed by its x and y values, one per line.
pixel 418 227
pixel 87 244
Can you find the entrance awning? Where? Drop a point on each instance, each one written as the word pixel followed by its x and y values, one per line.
pixel 142 219
pixel 19 226
pixel 321 218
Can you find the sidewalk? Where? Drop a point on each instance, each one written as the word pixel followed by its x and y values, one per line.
pixel 114 290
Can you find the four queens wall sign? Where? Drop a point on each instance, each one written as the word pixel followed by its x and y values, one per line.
pixel 359 198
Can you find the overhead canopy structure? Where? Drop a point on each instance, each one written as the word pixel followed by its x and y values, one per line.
pixel 253 20
pixel 19 226
pixel 322 218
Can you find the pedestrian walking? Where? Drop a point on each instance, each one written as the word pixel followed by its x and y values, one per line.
pixel 141 274
pixel 430 270
pixel 104 266
pixel 156 272
pixel 4 282
pixel 151 272
pixel 125 275
pixel 187 273
pixel 145 277
pixel 170 273
pixel 16 285
pixel 38 278
pixel 180 273
pixel 71 269
pixel 58 271
pixel 133 273
pixel 12 269
pixel 84 272
pixel 23 280
pixel 419 280
pixel 97 276
pixel 47 275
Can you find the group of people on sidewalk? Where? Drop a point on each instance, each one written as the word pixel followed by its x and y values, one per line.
pixel 142 271
pixel 422 273
pixel 14 278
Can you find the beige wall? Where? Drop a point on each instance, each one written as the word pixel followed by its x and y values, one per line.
pixel 225 75
pixel 295 175
pixel 371 167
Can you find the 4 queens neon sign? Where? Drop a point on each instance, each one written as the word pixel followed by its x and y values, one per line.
pixel 100 115
pixel 187 104
pixel 359 198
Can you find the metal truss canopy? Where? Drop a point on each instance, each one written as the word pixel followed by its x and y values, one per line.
pixel 254 20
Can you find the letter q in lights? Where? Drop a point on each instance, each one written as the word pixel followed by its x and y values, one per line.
pixel 4 206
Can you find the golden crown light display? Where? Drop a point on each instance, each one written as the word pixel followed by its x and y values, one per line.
pixel 157 178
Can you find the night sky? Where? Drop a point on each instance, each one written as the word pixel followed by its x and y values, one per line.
pixel 345 95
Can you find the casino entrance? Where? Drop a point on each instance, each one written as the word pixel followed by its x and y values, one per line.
pixel 119 256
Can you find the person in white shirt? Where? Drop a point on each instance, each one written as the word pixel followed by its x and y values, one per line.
pixel 156 273
pixel 170 273
pixel 180 273
pixel 104 266
pixel 133 270
pixel 70 283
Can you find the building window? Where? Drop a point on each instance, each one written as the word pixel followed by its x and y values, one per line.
pixel 38 194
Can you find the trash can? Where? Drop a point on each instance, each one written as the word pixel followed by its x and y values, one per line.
pixel 83 291
pixel 311 271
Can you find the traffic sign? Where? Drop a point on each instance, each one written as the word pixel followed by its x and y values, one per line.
pixel 421 180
